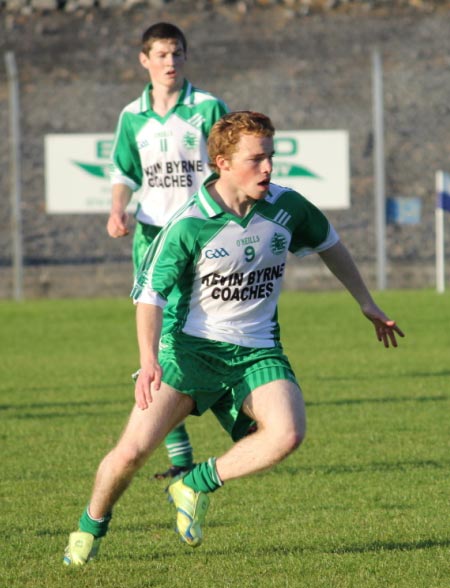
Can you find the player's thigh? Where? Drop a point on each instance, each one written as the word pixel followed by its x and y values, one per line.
pixel 146 429
pixel 277 405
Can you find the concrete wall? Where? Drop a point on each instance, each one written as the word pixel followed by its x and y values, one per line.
pixel 305 64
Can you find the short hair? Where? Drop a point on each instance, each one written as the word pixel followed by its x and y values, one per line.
pixel 162 31
pixel 226 133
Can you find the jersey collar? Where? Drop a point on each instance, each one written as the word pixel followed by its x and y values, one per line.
pixel 210 208
pixel 185 96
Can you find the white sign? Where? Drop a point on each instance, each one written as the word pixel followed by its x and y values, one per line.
pixel 314 163
pixel 77 173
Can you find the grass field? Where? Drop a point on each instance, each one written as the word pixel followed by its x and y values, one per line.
pixel 363 503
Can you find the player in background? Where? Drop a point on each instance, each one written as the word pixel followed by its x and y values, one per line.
pixel 207 328
pixel 160 151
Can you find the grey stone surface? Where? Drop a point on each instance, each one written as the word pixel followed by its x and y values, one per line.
pixel 307 64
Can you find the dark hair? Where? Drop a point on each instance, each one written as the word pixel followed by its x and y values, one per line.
pixel 160 31
pixel 226 133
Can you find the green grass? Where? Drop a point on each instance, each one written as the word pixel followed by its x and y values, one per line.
pixel 362 504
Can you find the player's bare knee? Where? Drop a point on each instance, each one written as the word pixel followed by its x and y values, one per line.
pixel 292 440
pixel 130 457
pixel 285 442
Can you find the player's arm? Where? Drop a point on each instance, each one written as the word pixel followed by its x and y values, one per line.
pixel 148 325
pixel 338 259
pixel 117 225
pixel 126 176
pixel 163 264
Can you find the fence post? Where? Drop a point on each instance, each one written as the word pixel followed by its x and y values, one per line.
pixel 380 196
pixel 439 234
pixel 16 213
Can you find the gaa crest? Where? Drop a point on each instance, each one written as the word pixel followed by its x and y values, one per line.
pixel 190 140
pixel 278 244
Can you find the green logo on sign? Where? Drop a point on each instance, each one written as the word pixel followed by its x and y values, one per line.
pixel 104 148
pixel 286 147
pixel 289 170
pixel 99 170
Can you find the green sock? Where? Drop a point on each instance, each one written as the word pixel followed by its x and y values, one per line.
pixel 179 447
pixel 204 477
pixel 98 528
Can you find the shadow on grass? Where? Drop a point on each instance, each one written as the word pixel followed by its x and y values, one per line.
pixel 430 374
pixel 149 527
pixel 375 547
pixel 380 546
pixel 68 404
pixel 17 410
pixel 57 386
pixel 385 400
pixel 162 550
pixel 63 415
pixel 400 466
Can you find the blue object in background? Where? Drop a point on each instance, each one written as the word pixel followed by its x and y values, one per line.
pixel 402 210
pixel 443 201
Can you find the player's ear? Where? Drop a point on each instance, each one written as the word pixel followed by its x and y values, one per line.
pixel 222 163
pixel 143 59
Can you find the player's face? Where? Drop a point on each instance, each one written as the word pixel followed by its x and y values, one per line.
pixel 165 63
pixel 250 166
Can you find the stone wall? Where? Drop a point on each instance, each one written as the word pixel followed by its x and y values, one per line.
pixel 297 7
pixel 307 64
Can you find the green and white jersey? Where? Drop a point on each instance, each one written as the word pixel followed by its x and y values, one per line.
pixel 165 158
pixel 224 273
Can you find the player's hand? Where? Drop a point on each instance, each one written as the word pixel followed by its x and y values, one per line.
pixel 386 330
pixel 149 378
pixel 117 224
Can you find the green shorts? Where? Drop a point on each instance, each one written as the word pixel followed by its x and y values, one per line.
pixel 219 376
pixel 142 239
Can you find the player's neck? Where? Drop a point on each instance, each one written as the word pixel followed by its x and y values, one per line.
pixel 164 98
pixel 237 204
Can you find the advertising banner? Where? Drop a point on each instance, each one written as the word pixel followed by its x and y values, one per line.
pixel 314 163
